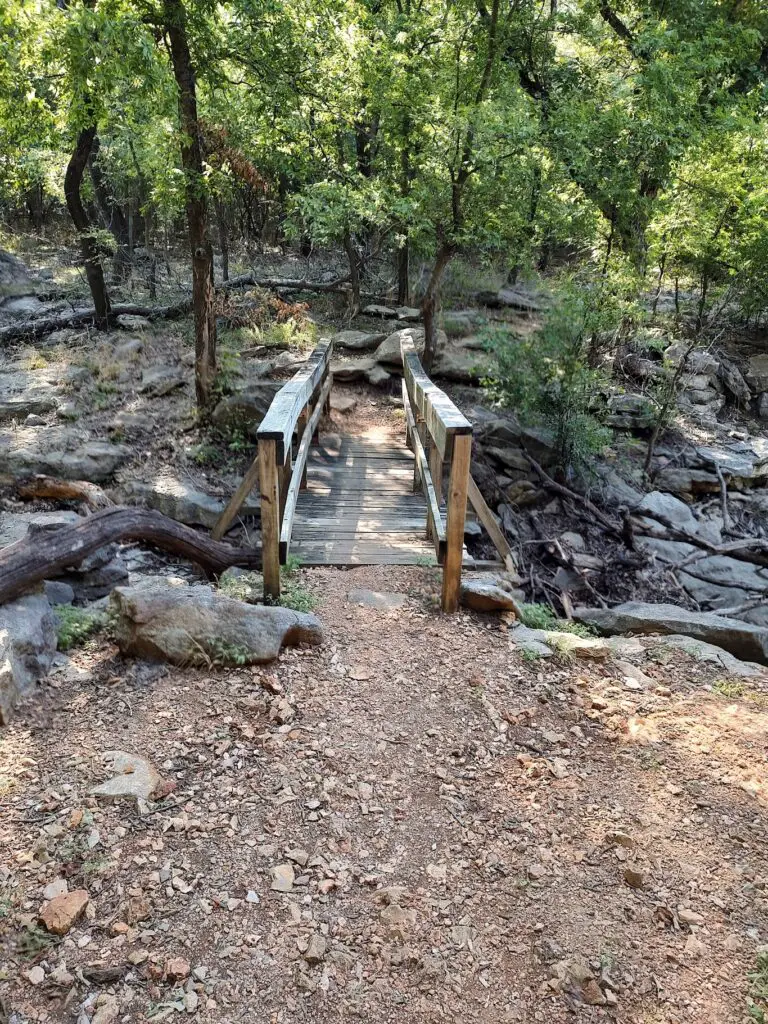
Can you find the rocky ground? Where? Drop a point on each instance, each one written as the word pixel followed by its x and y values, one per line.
pixel 423 817
pixel 414 821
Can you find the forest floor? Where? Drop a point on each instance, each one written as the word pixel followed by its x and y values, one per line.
pixel 461 833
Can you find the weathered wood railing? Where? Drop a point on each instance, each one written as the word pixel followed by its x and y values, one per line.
pixel 292 418
pixel 438 433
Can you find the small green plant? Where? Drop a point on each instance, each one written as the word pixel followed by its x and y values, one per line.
pixel 729 688
pixel 298 598
pixel 541 616
pixel 757 1000
pixel 205 454
pixel 291 567
pixel 75 625
pixel 222 653
pixel 530 655
pixel 246 586
pixel 34 941
pixel 427 561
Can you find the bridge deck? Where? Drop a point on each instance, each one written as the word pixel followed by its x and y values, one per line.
pixel 359 507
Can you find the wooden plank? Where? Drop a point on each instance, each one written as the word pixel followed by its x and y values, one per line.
pixel 270 516
pixel 454 529
pixel 434 518
pixel 444 420
pixel 492 528
pixel 294 487
pixel 282 416
pixel 227 517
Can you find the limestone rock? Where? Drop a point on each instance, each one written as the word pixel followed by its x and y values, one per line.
pixel 166 619
pixel 388 353
pixel 135 778
pixel 245 409
pixel 282 878
pixel 179 499
pixel 485 596
pixel 315 953
pixel 631 412
pixel 95 461
pixel 741 639
pixel 27 647
pixel 359 341
pixel 347 370
pixel 375 309
pixel 668 508
pixel 62 912
pixel 157 381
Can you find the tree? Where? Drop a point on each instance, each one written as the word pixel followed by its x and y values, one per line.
pixel 195 192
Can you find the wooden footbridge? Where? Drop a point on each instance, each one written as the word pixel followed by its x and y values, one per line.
pixel 363 499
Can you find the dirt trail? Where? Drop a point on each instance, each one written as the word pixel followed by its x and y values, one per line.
pixel 460 824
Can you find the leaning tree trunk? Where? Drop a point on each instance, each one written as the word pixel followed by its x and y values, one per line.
pixel 196 204
pixel 111 213
pixel 88 246
pixel 429 304
pixel 403 274
pixel 353 258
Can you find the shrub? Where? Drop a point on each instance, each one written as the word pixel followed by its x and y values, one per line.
pixel 75 625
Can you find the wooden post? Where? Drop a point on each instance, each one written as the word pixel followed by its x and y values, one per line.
pixel 436 472
pixel 421 430
pixel 284 475
pixel 270 517
pixel 454 527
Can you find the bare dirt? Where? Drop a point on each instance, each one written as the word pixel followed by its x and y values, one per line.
pixel 462 826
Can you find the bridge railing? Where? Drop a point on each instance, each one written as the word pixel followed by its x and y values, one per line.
pixel 291 422
pixel 439 435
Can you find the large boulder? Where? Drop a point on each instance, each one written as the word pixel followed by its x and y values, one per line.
pixel 358 341
pixel 22 453
pixel 461 364
pixel 247 408
pixel 27 647
pixel 741 639
pixel 179 499
pixel 166 619
pixel 388 353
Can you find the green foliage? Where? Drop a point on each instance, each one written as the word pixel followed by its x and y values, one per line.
pixel 292 593
pixel 75 625
pixel 541 616
pixel 221 653
pixel 246 586
pixel 757 1000
pixel 546 380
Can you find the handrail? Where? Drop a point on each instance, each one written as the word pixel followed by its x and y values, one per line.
pixel 283 414
pixel 443 419
pixel 433 422
pixel 295 409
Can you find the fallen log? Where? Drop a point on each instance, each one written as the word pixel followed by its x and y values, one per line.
pixel 32 488
pixel 37 327
pixel 31 560
pixel 285 284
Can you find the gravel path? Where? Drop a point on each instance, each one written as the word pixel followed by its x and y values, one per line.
pixel 460 834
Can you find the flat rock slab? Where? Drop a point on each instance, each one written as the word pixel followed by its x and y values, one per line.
pixel 166 619
pixel 180 500
pixel 741 639
pixel 135 779
pixel 358 341
pixel 380 600
pixel 483 596
pixel 557 642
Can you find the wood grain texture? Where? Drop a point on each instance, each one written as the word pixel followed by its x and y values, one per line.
pixel 283 414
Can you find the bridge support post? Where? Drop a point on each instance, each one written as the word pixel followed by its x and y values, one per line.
pixel 269 485
pixel 456 503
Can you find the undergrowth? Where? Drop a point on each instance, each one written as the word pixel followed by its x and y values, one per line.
pixel 75 625
pixel 541 616
pixel 758 990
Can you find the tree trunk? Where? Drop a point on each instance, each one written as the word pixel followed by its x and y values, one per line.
pixel 31 560
pixel 111 213
pixel 354 270
pixel 221 223
pixel 403 274
pixel 429 304
pixel 88 247
pixel 196 204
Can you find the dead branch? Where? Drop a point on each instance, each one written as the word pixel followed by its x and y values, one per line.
pixel 40 326
pixel 31 560
pixel 566 492
pixel 49 487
